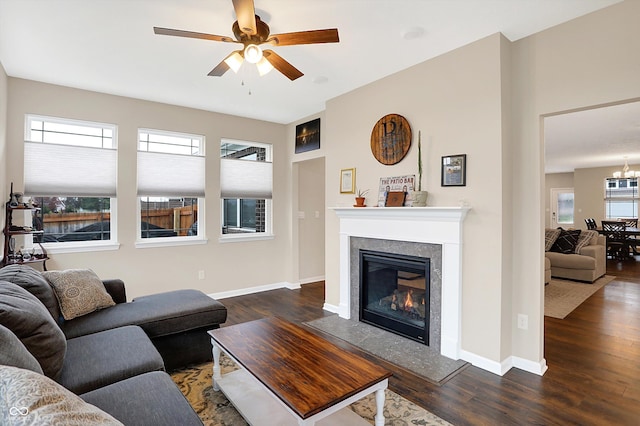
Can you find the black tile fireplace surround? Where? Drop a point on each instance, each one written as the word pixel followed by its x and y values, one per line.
pixel 394 293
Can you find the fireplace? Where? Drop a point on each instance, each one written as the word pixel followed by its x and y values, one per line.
pixel 391 230
pixel 394 293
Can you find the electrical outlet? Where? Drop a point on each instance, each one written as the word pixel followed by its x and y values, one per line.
pixel 201 275
pixel 523 321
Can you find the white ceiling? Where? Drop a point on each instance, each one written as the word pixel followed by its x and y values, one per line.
pixel 595 137
pixel 109 46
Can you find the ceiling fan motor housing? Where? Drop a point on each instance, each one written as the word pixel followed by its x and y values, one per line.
pixel 260 37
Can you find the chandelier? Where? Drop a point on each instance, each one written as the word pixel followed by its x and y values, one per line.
pixel 625 172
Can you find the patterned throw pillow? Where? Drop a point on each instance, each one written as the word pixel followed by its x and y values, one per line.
pixel 79 292
pixel 566 242
pixel 550 237
pixel 30 398
pixel 585 239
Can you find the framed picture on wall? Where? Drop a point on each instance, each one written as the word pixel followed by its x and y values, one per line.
pixel 348 181
pixel 308 136
pixel 454 170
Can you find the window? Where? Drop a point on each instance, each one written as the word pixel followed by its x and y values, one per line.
pixel 245 188
pixel 170 186
pixel 70 170
pixel 621 198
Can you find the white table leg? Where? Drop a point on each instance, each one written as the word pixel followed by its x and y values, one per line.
pixel 379 419
pixel 216 365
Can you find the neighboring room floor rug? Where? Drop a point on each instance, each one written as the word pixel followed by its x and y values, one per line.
pixel 413 356
pixel 215 410
pixel 561 297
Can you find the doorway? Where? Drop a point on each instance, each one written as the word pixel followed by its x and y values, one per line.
pixel 311 212
pixel 562 208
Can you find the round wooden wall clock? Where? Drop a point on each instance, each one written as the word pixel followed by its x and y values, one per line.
pixel 391 139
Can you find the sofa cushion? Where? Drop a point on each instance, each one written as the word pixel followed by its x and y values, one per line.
pixel 550 237
pixel 29 398
pixel 586 238
pixel 165 405
pixel 32 281
pixel 79 291
pixel 103 358
pixel 571 261
pixel 158 314
pixel 566 241
pixel 14 353
pixel 32 323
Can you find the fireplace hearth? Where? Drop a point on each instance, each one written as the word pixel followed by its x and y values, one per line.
pixel 395 293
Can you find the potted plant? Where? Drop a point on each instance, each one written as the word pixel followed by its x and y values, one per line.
pixel 419 197
pixel 360 197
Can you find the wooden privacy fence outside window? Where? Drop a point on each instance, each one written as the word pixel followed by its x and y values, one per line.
pixel 178 219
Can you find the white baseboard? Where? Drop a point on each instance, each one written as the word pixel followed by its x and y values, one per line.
pixel 501 368
pixel 312 279
pixel 538 368
pixel 252 290
pixel 331 308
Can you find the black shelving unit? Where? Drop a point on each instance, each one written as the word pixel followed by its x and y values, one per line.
pixel 13 255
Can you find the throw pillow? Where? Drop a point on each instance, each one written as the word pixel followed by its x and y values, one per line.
pixel 28 398
pixel 32 281
pixel 23 314
pixel 566 242
pixel 550 237
pixel 14 353
pixel 79 292
pixel 585 239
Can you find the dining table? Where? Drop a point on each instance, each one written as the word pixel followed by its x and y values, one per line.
pixel 632 237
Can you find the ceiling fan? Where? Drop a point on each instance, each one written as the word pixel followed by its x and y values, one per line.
pixel 251 32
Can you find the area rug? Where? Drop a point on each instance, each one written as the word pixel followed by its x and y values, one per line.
pixel 415 357
pixel 561 297
pixel 215 410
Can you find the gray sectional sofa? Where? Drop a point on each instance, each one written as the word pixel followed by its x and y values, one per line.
pixel 60 364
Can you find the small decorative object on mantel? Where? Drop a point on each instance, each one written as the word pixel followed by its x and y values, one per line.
pixel 419 196
pixel 395 199
pixel 348 181
pixel 360 198
pixel 454 170
pixel 308 136
pixel 405 184
pixel 391 139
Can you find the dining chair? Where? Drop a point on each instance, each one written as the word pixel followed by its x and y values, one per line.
pixel 591 223
pixel 634 240
pixel 617 243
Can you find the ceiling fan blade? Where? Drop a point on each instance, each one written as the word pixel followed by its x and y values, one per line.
pixel 246 14
pixel 191 34
pixel 305 37
pixel 224 66
pixel 281 65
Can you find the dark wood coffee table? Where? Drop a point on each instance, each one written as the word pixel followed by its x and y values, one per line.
pixel 290 375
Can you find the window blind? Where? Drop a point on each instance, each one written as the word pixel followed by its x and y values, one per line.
pixel 161 174
pixel 246 179
pixel 65 170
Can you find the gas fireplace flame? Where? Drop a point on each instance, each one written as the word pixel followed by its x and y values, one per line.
pixel 408 303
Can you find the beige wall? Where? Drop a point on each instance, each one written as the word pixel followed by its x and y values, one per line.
pixel 455 100
pixel 227 266
pixel 311 218
pixel 589 61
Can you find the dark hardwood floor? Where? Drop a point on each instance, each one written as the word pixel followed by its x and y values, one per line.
pixel 593 357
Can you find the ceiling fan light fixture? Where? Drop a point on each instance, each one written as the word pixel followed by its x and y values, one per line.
pixel 253 53
pixel 234 61
pixel 264 66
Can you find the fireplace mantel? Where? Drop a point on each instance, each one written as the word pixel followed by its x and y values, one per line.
pixel 434 225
